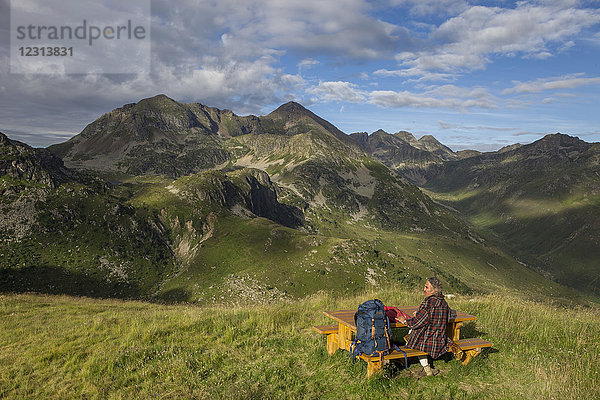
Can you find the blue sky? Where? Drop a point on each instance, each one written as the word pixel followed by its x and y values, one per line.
pixel 474 74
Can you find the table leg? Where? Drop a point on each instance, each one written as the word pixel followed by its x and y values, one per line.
pixel 344 337
pixel 470 354
pixel 453 330
pixel 332 343
pixel 374 367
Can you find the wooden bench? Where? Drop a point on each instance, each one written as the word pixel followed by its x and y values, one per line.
pixel 326 329
pixel 470 347
pixel 332 336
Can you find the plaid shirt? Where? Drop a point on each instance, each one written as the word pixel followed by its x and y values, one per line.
pixel 429 327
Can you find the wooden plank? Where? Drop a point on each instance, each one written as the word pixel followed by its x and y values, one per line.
pixel 374 368
pixel 473 343
pixel 346 317
pixel 344 337
pixel 332 343
pixel 472 348
pixel 395 354
pixel 326 329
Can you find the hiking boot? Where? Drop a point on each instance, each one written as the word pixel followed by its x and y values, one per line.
pixel 430 371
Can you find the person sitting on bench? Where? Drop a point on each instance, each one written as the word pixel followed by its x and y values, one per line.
pixel 428 325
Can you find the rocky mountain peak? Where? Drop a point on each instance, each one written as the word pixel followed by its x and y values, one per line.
pixel 509 148
pixel 379 132
pixel 291 108
pixel 557 145
pixel 291 113
pixel 407 137
pixel 431 144
pixel 429 139
pixel 560 139
pixel 19 161
pixel 157 102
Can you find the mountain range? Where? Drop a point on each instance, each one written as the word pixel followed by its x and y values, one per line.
pixel 173 201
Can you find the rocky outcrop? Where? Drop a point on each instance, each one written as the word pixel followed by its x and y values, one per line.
pixel 402 152
pixel 250 191
pixel 22 166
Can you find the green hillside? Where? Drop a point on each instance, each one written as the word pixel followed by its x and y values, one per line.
pixel 57 347
pixel 296 207
pixel 229 253
pixel 541 200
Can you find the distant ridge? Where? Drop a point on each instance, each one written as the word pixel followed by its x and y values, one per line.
pixel 159 135
pixel 542 199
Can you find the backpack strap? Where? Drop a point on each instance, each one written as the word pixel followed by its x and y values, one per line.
pixel 405 357
pixel 387 332
pixel 372 328
pixel 355 353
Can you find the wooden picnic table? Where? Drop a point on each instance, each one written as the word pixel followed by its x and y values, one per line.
pixel 346 325
pixel 340 336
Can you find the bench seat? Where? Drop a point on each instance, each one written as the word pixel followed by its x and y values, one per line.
pixel 326 329
pixel 331 331
pixel 470 347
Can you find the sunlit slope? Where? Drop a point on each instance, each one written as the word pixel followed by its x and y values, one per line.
pixel 230 254
pixel 56 346
pixel 542 200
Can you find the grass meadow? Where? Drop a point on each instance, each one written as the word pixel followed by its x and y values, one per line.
pixel 58 347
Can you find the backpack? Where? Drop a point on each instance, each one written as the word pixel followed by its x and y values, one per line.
pixel 372 330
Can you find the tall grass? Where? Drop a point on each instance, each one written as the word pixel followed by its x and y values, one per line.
pixel 64 347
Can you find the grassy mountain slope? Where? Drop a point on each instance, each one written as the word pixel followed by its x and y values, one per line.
pixel 81 236
pixel 541 199
pixel 62 232
pixel 229 254
pixel 297 208
pixel 59 347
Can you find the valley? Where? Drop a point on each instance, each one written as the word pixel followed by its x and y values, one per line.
pixel 167 201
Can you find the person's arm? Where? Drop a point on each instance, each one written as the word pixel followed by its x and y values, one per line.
pixel 420 319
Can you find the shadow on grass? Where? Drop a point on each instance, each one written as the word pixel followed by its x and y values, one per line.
pixel 49 279
pixel 469 330
pixel 176 295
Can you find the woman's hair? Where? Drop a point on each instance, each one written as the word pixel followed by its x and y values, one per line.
pixel 436 284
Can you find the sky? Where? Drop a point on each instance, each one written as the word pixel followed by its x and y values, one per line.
pixel 475 74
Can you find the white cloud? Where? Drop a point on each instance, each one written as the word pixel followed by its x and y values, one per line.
pixel 342 28
pixel 448 125
pixel 430 99
pixel 469 40
pixel 446 96
pixel 429 7
pixel 555 83
pixel 307 63
pixel 415 74
pixel 337 91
